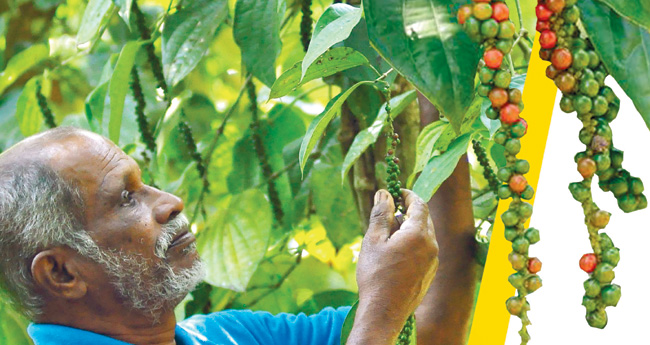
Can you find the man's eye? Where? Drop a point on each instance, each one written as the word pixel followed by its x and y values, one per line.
pixel 127 198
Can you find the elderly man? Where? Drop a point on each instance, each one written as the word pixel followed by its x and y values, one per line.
pixel 94 256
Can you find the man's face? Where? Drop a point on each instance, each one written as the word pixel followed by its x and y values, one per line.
pixel 147 251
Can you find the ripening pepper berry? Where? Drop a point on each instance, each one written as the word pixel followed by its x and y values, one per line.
pixel 588 262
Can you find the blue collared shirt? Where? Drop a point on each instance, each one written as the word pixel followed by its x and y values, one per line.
pixel 241 327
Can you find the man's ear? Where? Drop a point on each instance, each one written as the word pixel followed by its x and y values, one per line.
pixel 57 272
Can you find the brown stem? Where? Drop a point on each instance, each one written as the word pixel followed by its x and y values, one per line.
pixel 445 313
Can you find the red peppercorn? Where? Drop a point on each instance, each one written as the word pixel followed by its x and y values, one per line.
pixel 548 39
pixel 464 12
pixel 534 265
pixel 493 58
pixel 542 12
pixel 555 5
pixel 543 25
pixel 500 11
pixel 517 183
pixel 588 262
pixel 509 114
pixel 561 58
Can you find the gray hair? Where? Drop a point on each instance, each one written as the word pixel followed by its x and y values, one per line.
pixel 38 210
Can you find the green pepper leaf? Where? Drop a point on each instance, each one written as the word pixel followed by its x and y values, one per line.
pixel 187 35
pixel 424 148
pixel 369 136
pixel 332 27
pixel 638 12
pixel 257 32
pixel 421 40
pixel 94 20
pixel 628 60
pixel 440 168
pixel 124 10
pixel 331 62
pixel 235 241
pixel 21 63
pixel 117 88
pixel 28 113
pixel 318 125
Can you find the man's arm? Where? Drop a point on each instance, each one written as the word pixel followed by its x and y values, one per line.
pixel 391 285
pixel 444 315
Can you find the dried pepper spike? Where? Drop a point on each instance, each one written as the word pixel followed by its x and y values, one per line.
pixel 580 75
pixel 488 23
pixel 44 107
pixel 305 23
pixel 260 151
pixel 143 124
pixel 488 173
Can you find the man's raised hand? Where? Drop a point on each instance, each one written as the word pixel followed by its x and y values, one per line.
pixel 396 266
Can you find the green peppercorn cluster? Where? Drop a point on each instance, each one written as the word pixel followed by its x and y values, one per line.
pixel 305 23
pixel 44 107
pixel 488 23
pixel 488 173
pixel 407 333
pixel 392 180
pixel 580 74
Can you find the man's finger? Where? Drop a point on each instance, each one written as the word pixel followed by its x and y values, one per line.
pixel 417 210
pixel 382 216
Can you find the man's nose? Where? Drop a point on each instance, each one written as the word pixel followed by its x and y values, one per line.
pixel 167 207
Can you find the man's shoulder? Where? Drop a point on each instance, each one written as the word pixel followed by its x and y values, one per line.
pixel 262 325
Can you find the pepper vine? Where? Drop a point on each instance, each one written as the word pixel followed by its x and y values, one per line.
pixel 488 173
pixel 488 23
pixel 580 74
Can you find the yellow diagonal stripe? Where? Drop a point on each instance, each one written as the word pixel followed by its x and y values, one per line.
pixel 491 318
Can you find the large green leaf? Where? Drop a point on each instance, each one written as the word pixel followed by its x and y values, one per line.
pixel 95 17
pixel 118 87
pixel 637 11
pixel 257 32
pixel 331 62
pixel 188 34
pixel 628 59
pixel 94 107
pixel 28 113
pixel 318 125
pixel 369 136
pixel 235 241
pixel 21 63
pixel 333 200
pixel 332 27
pixel 440 168
pixel 421 40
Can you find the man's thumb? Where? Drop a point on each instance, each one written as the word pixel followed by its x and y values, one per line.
pixel 382 215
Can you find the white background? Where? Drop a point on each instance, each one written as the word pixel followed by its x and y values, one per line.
pixel 556 311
